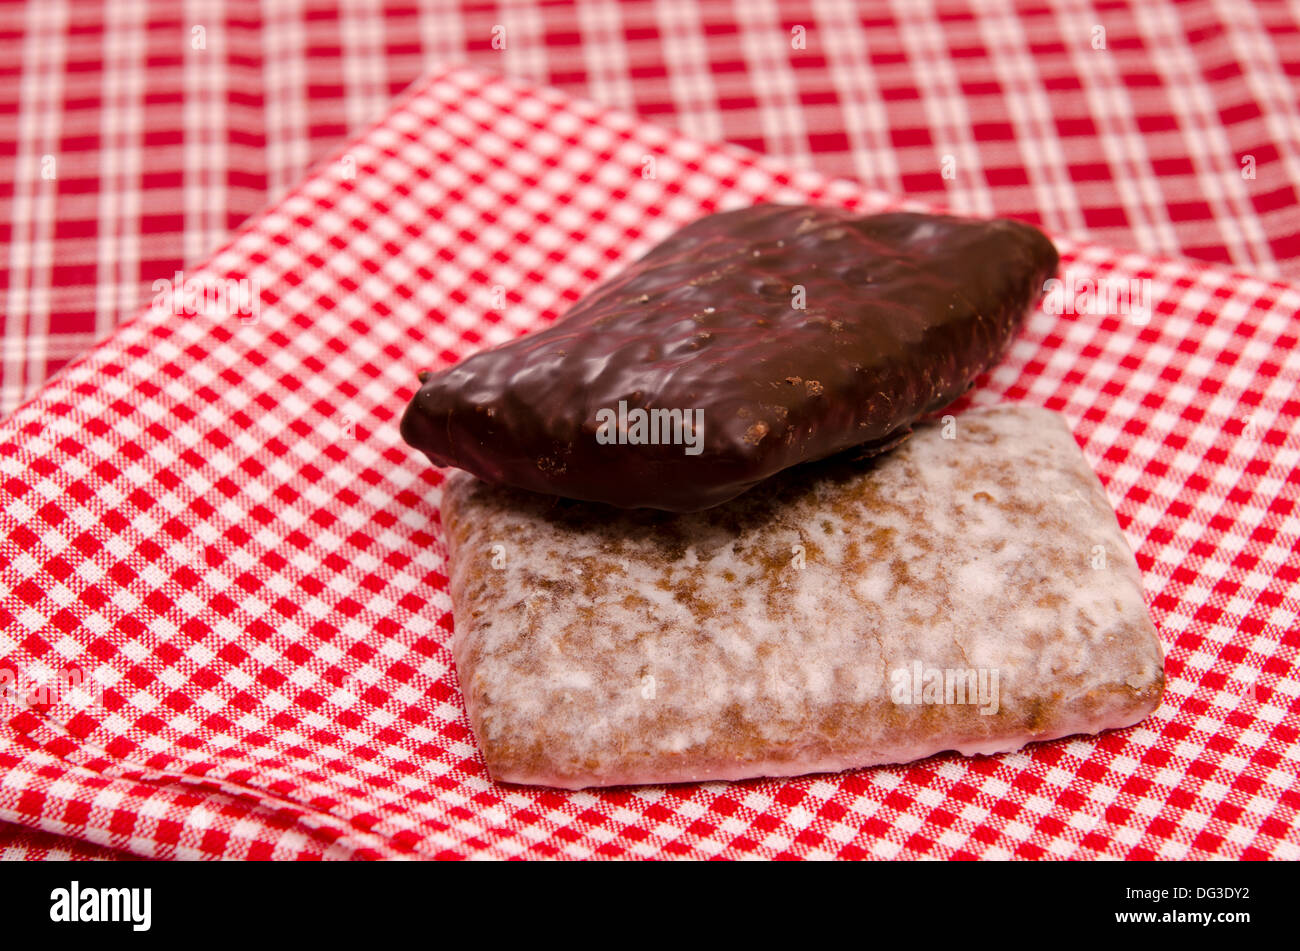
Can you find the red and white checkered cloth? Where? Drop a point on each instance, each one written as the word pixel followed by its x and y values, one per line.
pixel 215 517
pixel 135 134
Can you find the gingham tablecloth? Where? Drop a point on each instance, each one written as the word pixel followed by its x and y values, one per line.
pixel 215 517
pixel 134 135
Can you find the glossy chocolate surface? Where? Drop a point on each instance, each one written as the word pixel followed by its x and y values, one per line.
pixel 791 332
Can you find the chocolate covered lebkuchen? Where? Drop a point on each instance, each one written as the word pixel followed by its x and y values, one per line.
pixel 747 342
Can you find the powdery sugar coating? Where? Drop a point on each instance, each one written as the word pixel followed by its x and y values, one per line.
pixel 599 646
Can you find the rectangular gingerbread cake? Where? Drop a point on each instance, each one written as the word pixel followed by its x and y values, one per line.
pixel 969 591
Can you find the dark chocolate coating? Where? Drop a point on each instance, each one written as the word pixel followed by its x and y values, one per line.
pixel 902 312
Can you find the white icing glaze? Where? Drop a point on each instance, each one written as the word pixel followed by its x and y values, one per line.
pixel 615 648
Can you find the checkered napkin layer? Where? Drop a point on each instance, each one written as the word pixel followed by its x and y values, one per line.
pixel 134 135
pixel 214 517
